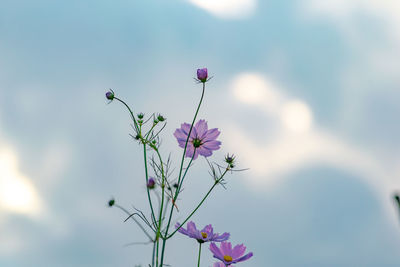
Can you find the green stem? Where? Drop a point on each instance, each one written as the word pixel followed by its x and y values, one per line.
pixel 154 251
pixel 130 111
pixel 180 172
pixel 162 190
pixel 158 242
pixel 187 139
pixel 162 201
pixel 198 261
pixel 147 180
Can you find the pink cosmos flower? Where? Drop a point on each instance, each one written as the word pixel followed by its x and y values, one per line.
pixel 227 255
pixel 202 141
pixel 205 235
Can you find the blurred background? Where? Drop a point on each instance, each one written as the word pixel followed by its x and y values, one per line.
pixel 305 92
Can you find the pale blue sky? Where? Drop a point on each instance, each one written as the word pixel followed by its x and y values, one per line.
pixel 318 196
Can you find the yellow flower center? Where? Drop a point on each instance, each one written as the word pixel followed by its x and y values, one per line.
pixel 204 235
pixel 227 258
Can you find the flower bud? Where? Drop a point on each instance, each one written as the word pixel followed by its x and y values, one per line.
pixel 140 115
pixel 230 160
pixel 160 118
pixel 151 183
pixel 110 95
pixel 202 74
pixel 111 202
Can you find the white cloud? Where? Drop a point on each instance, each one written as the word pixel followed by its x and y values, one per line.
pixel 296 116
pixel 17 193
pixel 297 143
pixel 344 14
pixel 228 9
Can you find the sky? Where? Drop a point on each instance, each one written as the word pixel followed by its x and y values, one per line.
pixel 304 92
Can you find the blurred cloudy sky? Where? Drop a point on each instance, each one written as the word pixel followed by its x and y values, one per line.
pixel 305 92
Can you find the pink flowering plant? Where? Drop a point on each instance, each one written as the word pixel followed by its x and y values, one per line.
pixel 196 139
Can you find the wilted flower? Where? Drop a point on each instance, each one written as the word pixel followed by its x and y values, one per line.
pixel 228 255
pixel 205 235
pixel 201 141
pixel 151 183
pixel 202 74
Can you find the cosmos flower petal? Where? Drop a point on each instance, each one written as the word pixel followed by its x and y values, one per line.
pixel 181 230
pixel 245 257
pixel 212 134
pixel 226 248
pixel 204 139
pixel 189 151
pixel 238 251
pixel 216 251
pixel 220 238
pixel 191 226
pixel 185 128
pixel 196 154
pixel 194 134
pixel 179 133
pixel 181 137
pixel 207 229
pixel 212 145
pixel 201 128
pixel 204 151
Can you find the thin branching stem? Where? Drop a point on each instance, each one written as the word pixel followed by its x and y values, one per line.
pixel 180 173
